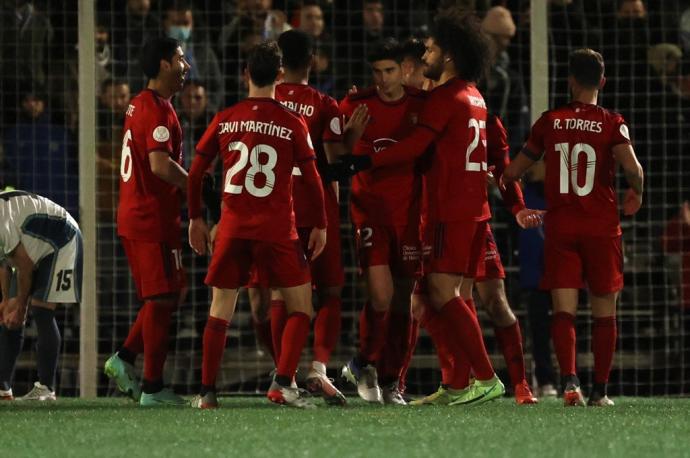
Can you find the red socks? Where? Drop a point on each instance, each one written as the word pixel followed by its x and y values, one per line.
pixel 395 349
pixel 604 335
pixel 563 335
pixel 327 328
pixel 214 346
pixel 465 336
pixel 295 336
pixel 262 329
pixel 510 342
pixel 432 322
pixel 278 319
pixel 372 333
pixel 155 332
pixel 135 338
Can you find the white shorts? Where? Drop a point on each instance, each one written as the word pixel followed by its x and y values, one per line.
pixel 58 276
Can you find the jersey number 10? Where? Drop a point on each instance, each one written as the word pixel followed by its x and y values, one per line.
pixel 569 168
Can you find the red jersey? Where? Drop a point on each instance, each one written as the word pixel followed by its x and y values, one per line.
pixel 577 142
pixel 498 156
pixel 325 124
pixel 456 180
pixel 260 141
pixel 149 208
pixel 386 195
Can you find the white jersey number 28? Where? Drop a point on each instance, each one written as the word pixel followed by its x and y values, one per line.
pixel 255 168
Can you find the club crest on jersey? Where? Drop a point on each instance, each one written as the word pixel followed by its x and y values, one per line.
pixel 335 126
pixel 161 134
pixel 382 143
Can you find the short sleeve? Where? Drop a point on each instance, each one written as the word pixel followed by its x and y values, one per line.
pixel 435 113
pixel 534 146
pixel 333 121
pixel 208 144
pixel 10 235
pixel 620 134
pixel 304 148
pixel 158 131
pixel 346 107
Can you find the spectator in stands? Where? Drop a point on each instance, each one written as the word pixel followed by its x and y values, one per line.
pixel 504 90
pixel 41 156
pixel 178 23
pixel 531 249
pixel 113 100
pixel 194 116
pixel 311 18
pixel 676 241
pixel 26 35
pixel 129 30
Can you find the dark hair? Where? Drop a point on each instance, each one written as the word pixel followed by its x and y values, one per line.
pixel 177 5
pixel 155 50
pixel 310 3
pixel 413 48
pixel 106 83
pixel 194 82
pixel 297 48
pixel 586 66
pixel 458 34
pixel 263 63
pixel 385 49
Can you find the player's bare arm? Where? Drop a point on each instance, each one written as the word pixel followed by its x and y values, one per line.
pixel 14 313
pixel 516 168
pixel 625 156
pixel 199 235
pixel 5 275
pixel 168 170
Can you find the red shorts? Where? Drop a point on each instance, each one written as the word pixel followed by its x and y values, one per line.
pixel 394 246
pixel 327 269
pixel 279 264
pixel 156 267
pixel 454 247
pixel 489 266
pixel 573 259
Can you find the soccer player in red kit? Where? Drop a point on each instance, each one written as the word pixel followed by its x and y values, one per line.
pixel 325 123
pixel 384 205
pixel 487 275
pixel 581 144
pixel 260 141
pixel 457 208
pixel 148 220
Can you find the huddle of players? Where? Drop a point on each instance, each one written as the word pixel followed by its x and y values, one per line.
pixel 420 167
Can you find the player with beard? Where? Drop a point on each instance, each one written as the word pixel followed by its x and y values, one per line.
pixel 581 144
pixel 152 182
pixel 384 205
pixel 454 121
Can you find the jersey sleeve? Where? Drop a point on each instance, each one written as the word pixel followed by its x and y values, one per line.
pixel 334 121
pixel 346 107
pixel 534 146
pixel 208 144
pixel 304 148
pixel 498 156
pixel 620 134
pixel 9 237
pixel 158 131
pixel 435 113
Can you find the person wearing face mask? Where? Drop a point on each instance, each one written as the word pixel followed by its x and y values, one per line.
pixel 178 23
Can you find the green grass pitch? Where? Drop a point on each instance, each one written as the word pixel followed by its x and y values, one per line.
pixel 253 427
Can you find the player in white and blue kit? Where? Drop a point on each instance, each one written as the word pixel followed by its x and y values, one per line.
pixel 40 267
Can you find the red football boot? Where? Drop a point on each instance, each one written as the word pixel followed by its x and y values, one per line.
pixel 523 395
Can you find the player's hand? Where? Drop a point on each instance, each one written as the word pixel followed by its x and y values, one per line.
pixel 490 178
pixel 199 237
pixel 352 90
pixel 685 213
pixel 357 123
pixel 317 242
pixel 528 218
pixel 632 202
pixel 14 313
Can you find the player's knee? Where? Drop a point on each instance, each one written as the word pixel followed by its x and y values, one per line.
pixel 380 299
pixel 499 310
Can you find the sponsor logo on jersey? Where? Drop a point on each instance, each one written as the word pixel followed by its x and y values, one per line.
pixel 161 134
pixel 382 143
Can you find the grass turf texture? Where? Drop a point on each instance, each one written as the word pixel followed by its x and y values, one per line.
pixel 253 427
